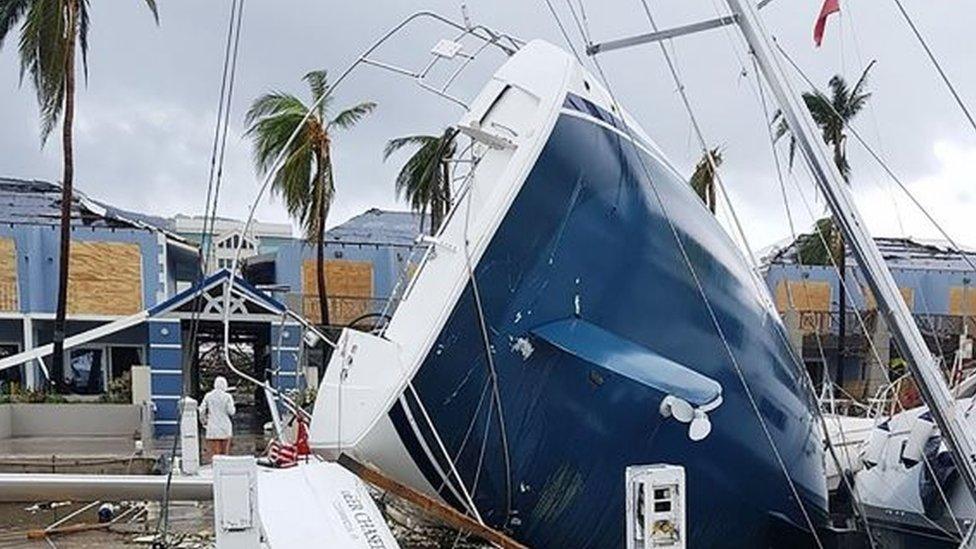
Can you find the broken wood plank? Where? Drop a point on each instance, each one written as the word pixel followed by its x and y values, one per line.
pixel 429 505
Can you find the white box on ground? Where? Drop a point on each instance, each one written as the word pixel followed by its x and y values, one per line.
pixel 236 520
pixel 656 507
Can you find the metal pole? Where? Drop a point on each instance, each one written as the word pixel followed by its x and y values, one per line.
pixel 920 361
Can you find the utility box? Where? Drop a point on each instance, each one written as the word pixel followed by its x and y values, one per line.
pixel 236 520
pixel 656 507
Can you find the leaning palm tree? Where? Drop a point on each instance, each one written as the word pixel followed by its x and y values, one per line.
pixel 305 180
pixel 425 179
pixel 703 180
pixel 51 33
pixel 832 115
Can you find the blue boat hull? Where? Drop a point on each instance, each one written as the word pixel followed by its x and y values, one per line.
pixel 544 459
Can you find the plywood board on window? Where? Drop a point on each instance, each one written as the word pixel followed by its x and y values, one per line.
pixel 962 301
pixel 907 294
pixel 348 285
pixel 104 278
pixel 808 295
pixel 8 276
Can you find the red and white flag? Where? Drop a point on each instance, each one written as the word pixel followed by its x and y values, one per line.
pixel 829 7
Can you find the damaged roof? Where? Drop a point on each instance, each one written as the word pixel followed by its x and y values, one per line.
pixel 376 226
pixel 898 252
pixel 36 202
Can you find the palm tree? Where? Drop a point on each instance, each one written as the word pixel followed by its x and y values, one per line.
pixel 832 115
pixel 51 32
pixel 306 179
pixel 425 179
pixel 703 180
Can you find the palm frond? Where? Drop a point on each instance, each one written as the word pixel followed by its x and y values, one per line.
pixel 352 115
pixel 398 143
pixel 43 51
pixel 11 12
pixel 84 22
pixel 318 84
pixel 151 4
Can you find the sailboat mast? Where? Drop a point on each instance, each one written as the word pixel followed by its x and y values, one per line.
pixel 931 384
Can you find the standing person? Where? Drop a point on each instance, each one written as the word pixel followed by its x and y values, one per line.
pixel 215 413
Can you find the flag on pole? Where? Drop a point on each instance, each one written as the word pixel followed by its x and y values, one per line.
pixel 829 7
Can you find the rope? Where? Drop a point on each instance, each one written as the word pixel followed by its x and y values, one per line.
pixel 936 64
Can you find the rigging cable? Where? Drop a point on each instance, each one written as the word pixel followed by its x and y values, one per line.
pixel 701 140
pixel 701 291
pixel 562 30
pixel 796 360
pixel 874 119
pixel 936 64
pixel 861 323
pixel 874 351
pixel 713 316
pixel 884 165
pixel 206 244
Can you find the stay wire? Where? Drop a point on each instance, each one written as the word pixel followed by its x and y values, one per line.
pixel 713 317
pixel 562 30
pixel 798 363
pixel 210 206
pixel 881 162
pixel 936 64
pixel 873 348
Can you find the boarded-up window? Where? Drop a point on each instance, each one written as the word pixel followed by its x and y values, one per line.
pixel 348 285
pixel 810 299
pixel 8 276
pixel 104 278
pixel 808 295
pixel 962 301
pixel 907 294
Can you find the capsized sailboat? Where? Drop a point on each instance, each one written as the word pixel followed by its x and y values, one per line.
pixel 580 312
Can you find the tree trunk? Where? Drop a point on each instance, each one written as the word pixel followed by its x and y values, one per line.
pixel 67 181
pixel 842 307
pixel 320 253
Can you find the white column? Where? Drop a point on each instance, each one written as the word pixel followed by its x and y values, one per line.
pixel 30 369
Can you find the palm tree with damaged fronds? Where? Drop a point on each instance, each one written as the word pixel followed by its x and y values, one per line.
pixel 51 34
pixel 425 179
pixel 305 180
pixel 703 179
pixel 832 115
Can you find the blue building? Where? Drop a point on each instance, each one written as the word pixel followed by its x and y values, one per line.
pixel 120 263
pixel 136 295
pixel 936 282
pixel 368 260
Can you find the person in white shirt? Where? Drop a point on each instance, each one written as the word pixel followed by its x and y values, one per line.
pixel 215 413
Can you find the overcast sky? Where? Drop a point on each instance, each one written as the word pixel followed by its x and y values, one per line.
pixel 145 120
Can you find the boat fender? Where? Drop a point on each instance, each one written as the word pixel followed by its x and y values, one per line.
pixel 699 426
pixel 914 445
pixel 874 447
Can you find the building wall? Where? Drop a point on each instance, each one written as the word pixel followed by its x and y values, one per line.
pixel 37 249
pixel 930 290
pixel 387 262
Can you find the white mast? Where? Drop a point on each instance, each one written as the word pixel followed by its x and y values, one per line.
pixel 931 384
